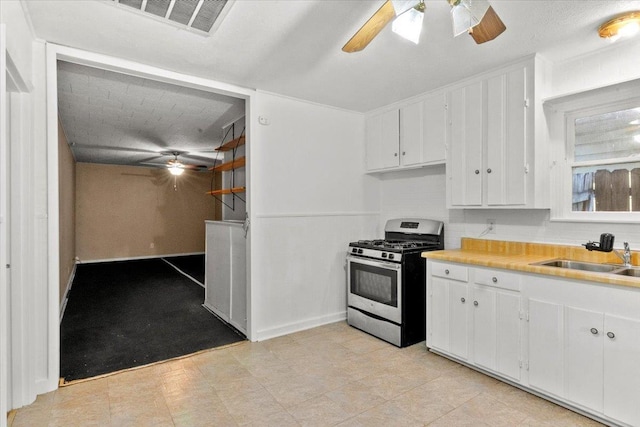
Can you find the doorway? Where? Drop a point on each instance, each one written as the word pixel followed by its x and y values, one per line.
pixel 152 152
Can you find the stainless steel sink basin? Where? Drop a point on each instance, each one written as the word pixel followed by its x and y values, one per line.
pixel 632 272
pixel 579 265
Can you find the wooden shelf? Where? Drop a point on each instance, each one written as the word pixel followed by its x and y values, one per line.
pixel 234 143
pixel 235 164
pixel 227 191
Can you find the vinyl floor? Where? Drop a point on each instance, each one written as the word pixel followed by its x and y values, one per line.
pixel 333 375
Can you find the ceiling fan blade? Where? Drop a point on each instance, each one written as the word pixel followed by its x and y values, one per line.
pixel 371 28
pixel 488 28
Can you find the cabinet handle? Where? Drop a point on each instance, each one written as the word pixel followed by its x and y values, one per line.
pixel 462 300
pixel 494 279
pixel 489 170
pixel 395 154
pixel 446 272
pixel 475 303
pixel 611 335
pixel 594 331
pixel 403 153
pixel 477 171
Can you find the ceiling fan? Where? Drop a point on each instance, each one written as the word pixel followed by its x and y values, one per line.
pixel 176 167
pixel 475 17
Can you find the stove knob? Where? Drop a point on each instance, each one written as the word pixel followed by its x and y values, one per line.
pixel 360 251
pixel 390 256
pixel 384 254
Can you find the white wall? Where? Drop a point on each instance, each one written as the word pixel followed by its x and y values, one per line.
pixel 310 199
pixel 422 193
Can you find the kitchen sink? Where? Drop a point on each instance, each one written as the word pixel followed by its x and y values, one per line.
pixel 579 265
pixel 632 272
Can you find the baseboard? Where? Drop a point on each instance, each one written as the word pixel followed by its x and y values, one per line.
pixel 65 298
pixel 135 258
pixel 300 326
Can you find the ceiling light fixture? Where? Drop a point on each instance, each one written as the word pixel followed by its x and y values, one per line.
pixel 477 18
pixel 625 25
pixel 636 138
pixel 176 169
pixel 408 23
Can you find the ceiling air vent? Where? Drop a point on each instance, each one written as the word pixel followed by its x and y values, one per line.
pixel 203 16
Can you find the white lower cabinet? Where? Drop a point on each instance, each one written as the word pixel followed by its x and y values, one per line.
pixel 449 328
pixel 622 369
pixel 572 341
pixel 478 323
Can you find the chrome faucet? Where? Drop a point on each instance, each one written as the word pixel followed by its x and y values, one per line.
pixel 626 256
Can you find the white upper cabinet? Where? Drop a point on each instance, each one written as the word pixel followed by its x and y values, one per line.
pixel 383 140
pixel 495 159
pixel 464 165
pixel 412 135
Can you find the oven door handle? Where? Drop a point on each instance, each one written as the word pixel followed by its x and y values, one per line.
pixel 374 263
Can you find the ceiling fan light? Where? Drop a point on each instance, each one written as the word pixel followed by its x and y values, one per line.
pixel 176 170
pixel 401 6
pixel 409 25
pixel 625 25
pixel 466 14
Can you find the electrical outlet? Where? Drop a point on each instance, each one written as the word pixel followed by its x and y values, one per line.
pixel 152 245
pixel 491 226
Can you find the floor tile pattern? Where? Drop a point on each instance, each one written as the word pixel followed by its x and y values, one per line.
pixel 333 375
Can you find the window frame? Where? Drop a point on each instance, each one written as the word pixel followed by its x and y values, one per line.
pixel 561 115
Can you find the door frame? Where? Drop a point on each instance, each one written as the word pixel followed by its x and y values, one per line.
pixel 53 55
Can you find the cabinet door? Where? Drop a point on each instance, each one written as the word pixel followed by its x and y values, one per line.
pixel 508 334
pixel 622 369
pixel 464 161
pixel 238 313
pixel 458 319
pixel 506 139
pixel 484 327
pixel 583 346
pixel 438 326
pixel 219 287
pixel 411 134
pixel 545 346
pixel 435 129
pixel 383 140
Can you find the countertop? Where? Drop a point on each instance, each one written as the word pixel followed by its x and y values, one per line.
pixel 519 256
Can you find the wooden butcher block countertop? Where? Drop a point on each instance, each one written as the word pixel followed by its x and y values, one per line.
pixel 520 255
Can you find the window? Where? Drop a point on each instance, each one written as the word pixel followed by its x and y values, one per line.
pixel 605 175
pixel 595 153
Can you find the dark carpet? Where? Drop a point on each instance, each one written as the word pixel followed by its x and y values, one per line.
pixel 131 313
pixel 193 265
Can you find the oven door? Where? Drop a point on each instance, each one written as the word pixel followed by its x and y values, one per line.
pixel 375 287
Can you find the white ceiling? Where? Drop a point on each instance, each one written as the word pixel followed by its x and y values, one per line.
pixel 119 119
pixel 290 47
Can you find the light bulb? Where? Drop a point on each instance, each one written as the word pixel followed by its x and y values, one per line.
pixel 176 170
pixel 630 29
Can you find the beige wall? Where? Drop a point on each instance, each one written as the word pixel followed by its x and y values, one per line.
pixel 125 211
pixel 67 201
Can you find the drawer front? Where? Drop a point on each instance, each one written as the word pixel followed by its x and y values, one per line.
pixel 498 279
pixel 450 271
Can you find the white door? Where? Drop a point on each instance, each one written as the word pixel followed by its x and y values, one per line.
pixel 4 230
pixel 545 346
pixel 459 319
pixel 435 128
pixel 622 369
pixel 383 140
pixel 484 327
pixel 411 134
pixel 465 146
pixel 438 314
pixel 508 334
pixel 583 346
pixel 506 139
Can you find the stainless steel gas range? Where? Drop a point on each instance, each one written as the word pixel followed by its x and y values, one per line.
pixel 386 280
